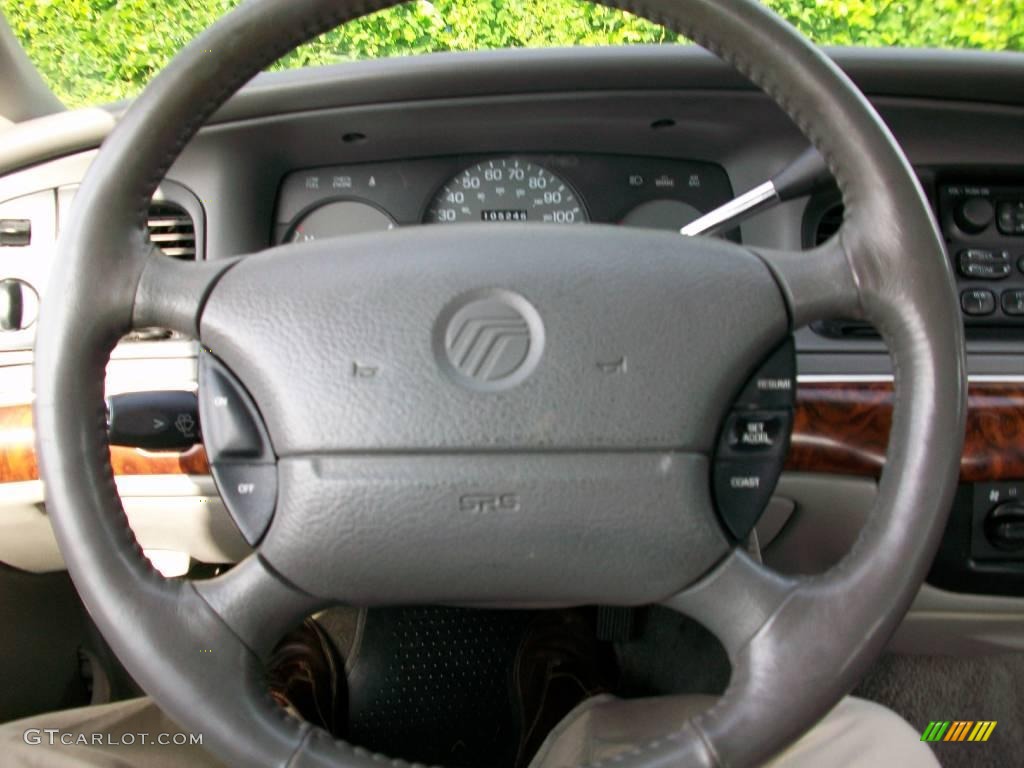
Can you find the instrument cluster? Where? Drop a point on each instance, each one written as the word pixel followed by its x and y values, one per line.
pixel 556 189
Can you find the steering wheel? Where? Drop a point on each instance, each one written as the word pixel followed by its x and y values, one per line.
pixel 595 489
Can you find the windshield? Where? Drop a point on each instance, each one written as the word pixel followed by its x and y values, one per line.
pixel 98 51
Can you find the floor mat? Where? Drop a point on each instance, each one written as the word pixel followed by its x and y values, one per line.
pixel 927 688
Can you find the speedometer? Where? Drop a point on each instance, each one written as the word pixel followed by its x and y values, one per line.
pixel 506 190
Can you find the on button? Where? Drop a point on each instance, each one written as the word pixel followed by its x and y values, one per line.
pixel 229 428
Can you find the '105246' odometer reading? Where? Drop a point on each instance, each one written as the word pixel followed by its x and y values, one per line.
pixel 506 190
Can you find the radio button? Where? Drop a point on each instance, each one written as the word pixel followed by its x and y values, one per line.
pixel 978 302
pixel 1010 218
pixel 1013 302
pixel 979 264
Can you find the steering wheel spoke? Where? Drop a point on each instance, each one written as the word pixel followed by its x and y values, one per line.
pixel 171 293
pixel 818 284
pixel 735 600
pixel 256 603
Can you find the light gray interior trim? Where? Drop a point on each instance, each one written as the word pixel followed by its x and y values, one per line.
pixel 49 203
pixel 948 623
pixel 954 75
pixel 186 509
pixel 127 373
pixel 24 94
pixel 828 514
pixel 948 75
pixel 44 138
pixel 182 513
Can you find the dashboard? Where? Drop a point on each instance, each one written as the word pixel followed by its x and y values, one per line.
pixel 635 136
pixel 659 193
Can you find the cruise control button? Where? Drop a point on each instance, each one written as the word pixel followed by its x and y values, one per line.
pixel 229 428
pixel 978 302
pixel 743 490
pixel 249 492
pixel 774 384
pixel 756 432
pixel 232 427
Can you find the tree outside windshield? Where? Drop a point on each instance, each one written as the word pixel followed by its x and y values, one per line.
pixel 98 51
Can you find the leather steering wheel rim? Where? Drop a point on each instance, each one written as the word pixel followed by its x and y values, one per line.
pixel 797 645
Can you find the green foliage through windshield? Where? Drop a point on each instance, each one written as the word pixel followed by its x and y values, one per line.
pixel 96 51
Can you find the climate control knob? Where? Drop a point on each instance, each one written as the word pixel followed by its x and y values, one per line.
pixel 1004 526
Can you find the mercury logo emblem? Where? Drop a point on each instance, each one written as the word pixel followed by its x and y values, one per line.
pixel 489 340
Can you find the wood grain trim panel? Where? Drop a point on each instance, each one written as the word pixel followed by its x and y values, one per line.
pixel 838 428
pixel 18 455
pixel 843 428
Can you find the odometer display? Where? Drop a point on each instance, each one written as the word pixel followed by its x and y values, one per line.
pixel 506 190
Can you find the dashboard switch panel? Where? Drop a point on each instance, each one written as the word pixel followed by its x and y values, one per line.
pixel 983 225
pixel 754 441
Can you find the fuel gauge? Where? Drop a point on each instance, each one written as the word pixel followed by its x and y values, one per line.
pixel 340 218
pixel 661 214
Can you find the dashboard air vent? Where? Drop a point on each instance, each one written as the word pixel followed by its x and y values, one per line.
pixel 172 231
pixel 828 223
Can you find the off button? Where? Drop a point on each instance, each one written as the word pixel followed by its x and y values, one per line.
pixel 249 491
